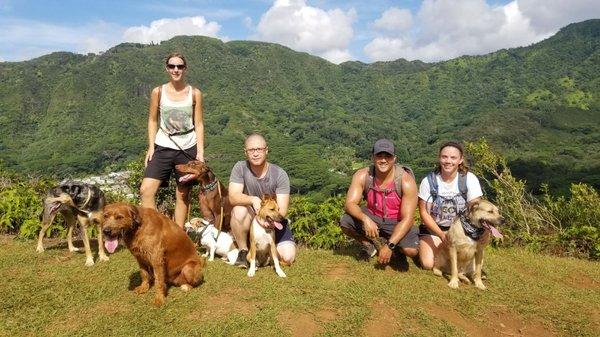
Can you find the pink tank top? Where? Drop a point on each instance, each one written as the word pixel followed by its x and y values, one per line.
pixel 382 204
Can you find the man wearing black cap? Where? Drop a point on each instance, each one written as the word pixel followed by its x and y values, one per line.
pixel 390 192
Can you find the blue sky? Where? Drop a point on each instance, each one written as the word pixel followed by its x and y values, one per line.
pixel 368 30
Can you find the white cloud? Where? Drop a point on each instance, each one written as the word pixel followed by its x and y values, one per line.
pixel 550 15
pixel 26 39
pixel 165 29
pixel 310 29
pixel 445 29
pixel 394 19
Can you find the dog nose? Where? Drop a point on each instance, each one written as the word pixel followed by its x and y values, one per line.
pixel 106 231
pixel 502 221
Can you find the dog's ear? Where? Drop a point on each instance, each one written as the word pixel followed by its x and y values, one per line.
pixel 134 214
pixel 474 206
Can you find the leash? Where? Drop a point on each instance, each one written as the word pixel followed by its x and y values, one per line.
pixel 221 202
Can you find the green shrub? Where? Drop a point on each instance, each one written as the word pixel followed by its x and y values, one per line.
pixel 316 224
pixel 560 225
pixel 21 204
pixel 579 220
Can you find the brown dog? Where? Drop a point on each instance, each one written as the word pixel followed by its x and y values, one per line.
pixel 462 253
pixel 213 195
pixel 163 250
pixel 262 247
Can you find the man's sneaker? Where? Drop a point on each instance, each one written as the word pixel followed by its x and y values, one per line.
pixel 241 261
pixel 367 251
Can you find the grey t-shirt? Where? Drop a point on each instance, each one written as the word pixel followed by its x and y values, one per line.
pixel 276 181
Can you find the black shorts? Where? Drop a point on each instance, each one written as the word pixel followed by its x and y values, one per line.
pixel 423 230
pixel 163 163
pixel 285 234
pixel 385 226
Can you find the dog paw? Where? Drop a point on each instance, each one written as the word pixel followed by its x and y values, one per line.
pixel 480 285
pixel 280 273
pixel 186 287
pixel 437 272
pixel 103 258
pixel 39 249
pixel 89 262
pixel 211 259
pixel 158 301
pixel 453 284
pixel 251 272
pixel 141 289
pixel 74 249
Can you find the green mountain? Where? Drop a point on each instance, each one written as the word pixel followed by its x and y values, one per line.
pixel 67 114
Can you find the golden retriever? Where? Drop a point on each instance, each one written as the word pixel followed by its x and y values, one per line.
pixel 164 252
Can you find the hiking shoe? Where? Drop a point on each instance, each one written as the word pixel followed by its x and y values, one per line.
pixel 367 251
pixel 241 261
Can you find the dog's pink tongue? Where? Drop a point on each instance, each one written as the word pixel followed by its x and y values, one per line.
pixel 111 245
pixel 277 225
pixel 187 178
pixel 496 233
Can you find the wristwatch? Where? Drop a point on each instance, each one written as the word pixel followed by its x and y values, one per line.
pixel 391 245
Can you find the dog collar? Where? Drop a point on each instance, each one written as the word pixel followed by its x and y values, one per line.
pixel 210 186
pixel 470 230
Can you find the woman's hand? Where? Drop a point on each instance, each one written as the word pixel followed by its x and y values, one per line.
pixel 200 157
pixel 149 155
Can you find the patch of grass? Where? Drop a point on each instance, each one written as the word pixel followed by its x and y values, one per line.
pixel 326 293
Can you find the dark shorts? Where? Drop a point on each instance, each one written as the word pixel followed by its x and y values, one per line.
pixel 385 226
pixel 163 163
pixel 423 230
pixel 284 234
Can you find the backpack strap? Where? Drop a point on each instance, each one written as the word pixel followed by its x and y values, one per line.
pixel 433 185
pixel 462 185
pixel 399 171
pixel 368 180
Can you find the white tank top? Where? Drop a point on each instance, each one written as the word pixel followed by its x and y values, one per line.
pixel 176 116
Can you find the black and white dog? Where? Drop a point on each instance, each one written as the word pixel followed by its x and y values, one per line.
pixel 77 202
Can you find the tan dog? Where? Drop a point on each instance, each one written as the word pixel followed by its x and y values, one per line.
pixel 262 236
pixel 164 252
pixel 462 252
pixel 213 196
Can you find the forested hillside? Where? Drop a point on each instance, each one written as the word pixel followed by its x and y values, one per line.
pixel 68 114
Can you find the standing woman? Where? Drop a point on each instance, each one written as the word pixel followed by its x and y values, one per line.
pixel 444 194
pixel 175 135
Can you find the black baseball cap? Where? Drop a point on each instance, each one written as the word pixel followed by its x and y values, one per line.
pixel 384 145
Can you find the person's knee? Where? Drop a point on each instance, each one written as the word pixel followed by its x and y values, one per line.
pixel 287 253
pixel 147 191
pixel 410 252
pixel 426 264
pixel 238 214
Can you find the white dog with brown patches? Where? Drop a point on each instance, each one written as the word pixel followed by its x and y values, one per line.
pixel 262 236
pixel 220 243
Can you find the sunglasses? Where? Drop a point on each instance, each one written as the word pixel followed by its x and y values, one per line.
pixel 178 66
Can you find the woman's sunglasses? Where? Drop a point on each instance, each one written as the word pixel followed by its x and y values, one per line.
pixel 178 66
